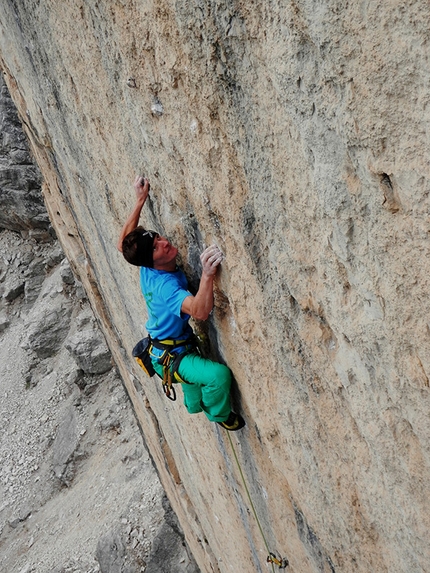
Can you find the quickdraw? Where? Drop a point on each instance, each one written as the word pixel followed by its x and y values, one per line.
pixel 271 558
pixel 169 390
pixel 166 361
pixel 169 360
pixel 281 562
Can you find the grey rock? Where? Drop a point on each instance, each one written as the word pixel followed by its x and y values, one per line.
pixel 32 288
pixel 19 516
pixel 85 318
pixel 49 321
pixel 110 422
pixel 41 235
pixel 66 273
pixel 169 553
pixel 48 329
pixel 55 257
pixel 90 351
pixel 77 377
pixel 111 554
pixel 36 372
pixel 21 202
pixel 26 257
pixel 35 274
pixel 4 321
pixel 13 288
pixel 64 446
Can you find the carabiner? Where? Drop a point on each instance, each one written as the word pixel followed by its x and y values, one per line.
pixel 281 562
pixel 170 392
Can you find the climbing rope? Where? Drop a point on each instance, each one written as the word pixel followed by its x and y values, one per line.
pixel 282 563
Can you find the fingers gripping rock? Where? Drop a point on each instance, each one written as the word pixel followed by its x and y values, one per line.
pixel 211 258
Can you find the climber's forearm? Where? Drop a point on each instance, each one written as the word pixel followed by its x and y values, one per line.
pixel 200 306
pixel 131 223
pixel 141 188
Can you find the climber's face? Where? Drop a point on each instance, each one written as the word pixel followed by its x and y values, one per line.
pixel 164 254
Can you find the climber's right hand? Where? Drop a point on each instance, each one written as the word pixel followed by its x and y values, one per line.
pixel 141 187
pixel 211 258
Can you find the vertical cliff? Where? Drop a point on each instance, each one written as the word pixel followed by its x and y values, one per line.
pixel 72 457
pixel 295 135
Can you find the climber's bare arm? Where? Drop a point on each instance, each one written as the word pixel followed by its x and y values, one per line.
pixel 141 187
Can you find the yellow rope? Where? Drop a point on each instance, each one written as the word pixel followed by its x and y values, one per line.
pixel 250 499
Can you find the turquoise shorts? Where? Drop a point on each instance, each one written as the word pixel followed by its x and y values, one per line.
pixel 208 387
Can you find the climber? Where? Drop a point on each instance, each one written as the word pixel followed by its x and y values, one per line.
pixel 170 305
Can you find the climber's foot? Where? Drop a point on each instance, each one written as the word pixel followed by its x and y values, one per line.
pixel 234 422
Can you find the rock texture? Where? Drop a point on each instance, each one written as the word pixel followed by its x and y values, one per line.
pixel 21 203
pixel 296 136
pixel 73 468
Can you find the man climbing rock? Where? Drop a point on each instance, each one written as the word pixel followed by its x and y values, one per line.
pixel 170 305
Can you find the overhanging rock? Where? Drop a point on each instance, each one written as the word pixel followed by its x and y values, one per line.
pixel 294 136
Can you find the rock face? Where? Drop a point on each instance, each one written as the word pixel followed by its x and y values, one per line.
pixel 21 203
pixel 72 461
pixel 295 135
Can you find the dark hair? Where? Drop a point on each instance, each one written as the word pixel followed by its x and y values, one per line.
pixel 138 247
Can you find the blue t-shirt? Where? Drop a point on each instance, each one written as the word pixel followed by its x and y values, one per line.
pixel 164 294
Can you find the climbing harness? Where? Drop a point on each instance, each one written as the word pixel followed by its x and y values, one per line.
pixel 170 359
pixel 281 562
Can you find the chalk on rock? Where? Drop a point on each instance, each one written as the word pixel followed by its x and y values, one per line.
pixel 157 107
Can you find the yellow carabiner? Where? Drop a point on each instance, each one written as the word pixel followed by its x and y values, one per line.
pixel 282 563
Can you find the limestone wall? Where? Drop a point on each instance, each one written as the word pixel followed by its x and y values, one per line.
pixel 295 135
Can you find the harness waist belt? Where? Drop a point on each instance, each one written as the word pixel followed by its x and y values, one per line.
pixel 170 343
